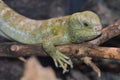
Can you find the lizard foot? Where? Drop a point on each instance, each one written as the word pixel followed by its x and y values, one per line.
pixel 62 61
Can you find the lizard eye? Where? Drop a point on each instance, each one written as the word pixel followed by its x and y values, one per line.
pixel 85 24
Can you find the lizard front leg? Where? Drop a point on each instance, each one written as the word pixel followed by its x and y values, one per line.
pixel 60 59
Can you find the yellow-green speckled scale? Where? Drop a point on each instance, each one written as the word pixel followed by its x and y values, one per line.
pixel 76 28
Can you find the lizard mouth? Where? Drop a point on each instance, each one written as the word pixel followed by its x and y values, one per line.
pixel 95 36
pixel 98 35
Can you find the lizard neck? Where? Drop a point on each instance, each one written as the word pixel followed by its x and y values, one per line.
pixel 72 32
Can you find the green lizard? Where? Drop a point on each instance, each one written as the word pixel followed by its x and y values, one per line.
pixel 75 28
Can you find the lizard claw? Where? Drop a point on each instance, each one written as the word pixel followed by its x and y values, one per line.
pixel 62 61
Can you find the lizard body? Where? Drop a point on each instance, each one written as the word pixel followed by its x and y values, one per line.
pixel 76 28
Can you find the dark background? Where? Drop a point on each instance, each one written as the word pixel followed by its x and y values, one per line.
pixel 109 12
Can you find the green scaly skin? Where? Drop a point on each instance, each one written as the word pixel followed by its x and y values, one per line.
pixel 76 28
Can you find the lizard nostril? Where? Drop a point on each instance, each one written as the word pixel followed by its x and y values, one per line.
pixel 97 28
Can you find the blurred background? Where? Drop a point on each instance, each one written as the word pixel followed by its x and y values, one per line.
pixel 109 12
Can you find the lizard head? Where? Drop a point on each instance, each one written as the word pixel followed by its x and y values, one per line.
pixel 84 26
